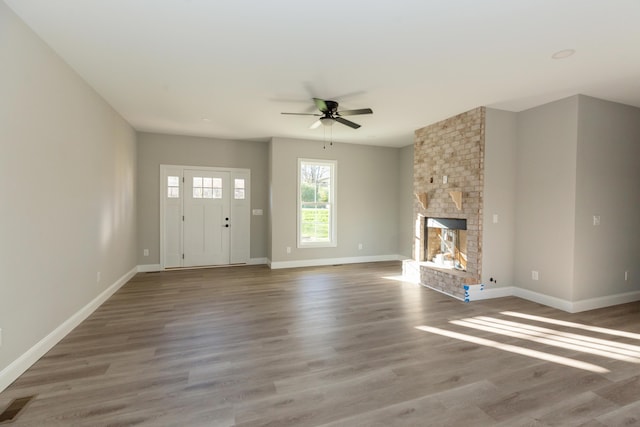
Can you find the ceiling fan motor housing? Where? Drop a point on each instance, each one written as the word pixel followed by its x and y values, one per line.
pixel 332 107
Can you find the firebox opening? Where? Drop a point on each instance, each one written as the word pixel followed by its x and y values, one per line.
pixel 446 242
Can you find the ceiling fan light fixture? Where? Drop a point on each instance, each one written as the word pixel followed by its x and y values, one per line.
pixel 327 121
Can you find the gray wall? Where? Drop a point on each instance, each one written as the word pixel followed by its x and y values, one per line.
pixel 67 164
pixel 545 197
pixel 498 239
pixel 405 202
pixel 608 185
pixel 368 198
pixel 156 149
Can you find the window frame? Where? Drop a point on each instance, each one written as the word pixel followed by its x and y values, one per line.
pixel 333 204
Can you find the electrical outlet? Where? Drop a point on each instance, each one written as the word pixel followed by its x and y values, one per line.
pixel 534 275
pixel 445 179
pixel 145 252
pixel 495 218
pixel 288 249
pixel 626 276
pixel 596 220
pixel 359 246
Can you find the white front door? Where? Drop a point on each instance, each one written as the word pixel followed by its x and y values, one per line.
pixel 204 216
pixel 207 204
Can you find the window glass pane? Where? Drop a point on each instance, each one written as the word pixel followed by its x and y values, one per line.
pixel 173 192
pixel 197 193
pixel 217 193
pixel 316 205
pixel 197 181
pixel 207 193
pixel 238 183
pixel 238 193
pixel 217 183
pixel 207 182
pixel 173 181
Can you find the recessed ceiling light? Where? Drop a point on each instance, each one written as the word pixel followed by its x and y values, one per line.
pixel 206 120
pixel 565 53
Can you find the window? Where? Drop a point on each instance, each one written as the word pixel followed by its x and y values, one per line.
pixel 207 188
pixel 173 187
pixel 316 203
pixel 238 188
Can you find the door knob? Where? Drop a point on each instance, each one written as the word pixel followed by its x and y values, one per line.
pixel 226 225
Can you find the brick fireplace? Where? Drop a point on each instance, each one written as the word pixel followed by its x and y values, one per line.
pixel 448 183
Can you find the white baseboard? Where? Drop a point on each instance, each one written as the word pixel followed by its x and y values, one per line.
pixel 149 268
pixel 606 301
pixel 559 303
pixel 490 293
pixel 332 261
pixel 31 356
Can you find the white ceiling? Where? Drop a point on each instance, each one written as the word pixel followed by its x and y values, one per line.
pixel 167 64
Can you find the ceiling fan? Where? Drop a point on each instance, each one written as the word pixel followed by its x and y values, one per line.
pixel 330 114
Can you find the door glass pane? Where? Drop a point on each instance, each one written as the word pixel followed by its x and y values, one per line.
pixel 207 193
pixel 217 193
pixel 197 181
pixel 197 193
pixel 207 182
pixel 173 181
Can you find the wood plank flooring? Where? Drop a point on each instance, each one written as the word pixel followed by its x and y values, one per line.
pixel 331 346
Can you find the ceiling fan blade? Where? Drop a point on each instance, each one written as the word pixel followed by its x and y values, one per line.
pixel 356 112
pixel 302 114
pixel 347 122
pixel 315 124
pixel 322 105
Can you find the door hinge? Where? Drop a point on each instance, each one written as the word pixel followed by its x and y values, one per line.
pixel 183 179
pixel 182 256
pixel 183 217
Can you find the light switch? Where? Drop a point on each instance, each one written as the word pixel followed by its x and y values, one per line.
pixel 495 218
pixel 257 211
pixel 596 220
pixel 445 179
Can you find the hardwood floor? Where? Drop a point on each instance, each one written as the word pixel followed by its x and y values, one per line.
pixel 331 346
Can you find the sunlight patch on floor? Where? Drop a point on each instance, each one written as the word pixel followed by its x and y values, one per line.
pixel 516 349
pixel 542 338
pixel 607 331
pixel 550 337
pixel 405 279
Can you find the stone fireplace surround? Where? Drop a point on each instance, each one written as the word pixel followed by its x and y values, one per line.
pixel 449 157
